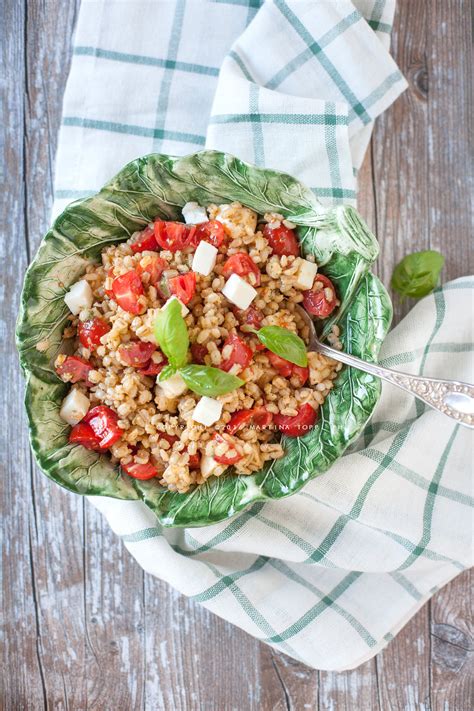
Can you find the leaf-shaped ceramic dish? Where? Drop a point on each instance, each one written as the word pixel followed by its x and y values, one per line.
pixel 159 185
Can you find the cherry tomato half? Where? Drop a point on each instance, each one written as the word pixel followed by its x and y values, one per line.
pixel 212 232
pixel 198 352
pixel 91 331
pixel 103 421
pixel 282 366
pixel 320 300
pixel 282 240
pixel 83 434
pixel 228 458
pixel 287 369
pixel 258 416
pixel 299 424
pixel 194 461
pixel 241 353
pixel 136 353
pixel 171 439
pixel 145 241
pixel 243 265
pixel 174 236
pixel 183 286
pixel 154 266
pixel 74 369
pixel 127 289
pixel 249 317
pixel 152 368
pixel 141 471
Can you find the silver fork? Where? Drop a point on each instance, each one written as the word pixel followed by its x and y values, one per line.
pixel 451 397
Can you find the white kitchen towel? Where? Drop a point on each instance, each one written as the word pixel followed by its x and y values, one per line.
pixel 330 574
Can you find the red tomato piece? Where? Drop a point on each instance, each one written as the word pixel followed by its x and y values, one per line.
pixel 194 461
pixel 154 266
pixel 258 416
pixel 282 366
pixel 183 286
pixel 145 241
pixel 174 236
pixel 243 265
pixel 226 458
pixel 83 433
pixel 287 369
pixel 299 424
pixel 250 317
pixel 152 368
pixel 74 369
pixel 317 300
pixel 127 289
pixel 282 240
pixel 141 471
pixel 171 439
pixel 136 353
pixel 212 232
pixel 103 421
pixel 301 374
pixel 198 353
pixel 241 353
pixel 90 332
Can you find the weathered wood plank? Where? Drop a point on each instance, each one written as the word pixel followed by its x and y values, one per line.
pixel 20 650
pixel 452 646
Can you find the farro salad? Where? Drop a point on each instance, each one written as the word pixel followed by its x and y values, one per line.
pixel 188 354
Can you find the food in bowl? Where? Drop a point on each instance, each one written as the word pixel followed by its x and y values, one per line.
pixel 185 351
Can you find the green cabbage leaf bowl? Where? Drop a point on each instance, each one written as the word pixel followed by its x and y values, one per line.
pixel 159 185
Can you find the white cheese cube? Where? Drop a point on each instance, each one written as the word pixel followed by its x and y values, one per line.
pixel 208 465
pixel 305 274
pixel 239 292
pixel 79 297
pixel 184 309
pixel 204 259
pixel 174 386
pixel 207 411
pixel 75 406
pixel 194 214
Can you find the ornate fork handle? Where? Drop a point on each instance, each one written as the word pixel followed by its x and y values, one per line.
pixel 451 397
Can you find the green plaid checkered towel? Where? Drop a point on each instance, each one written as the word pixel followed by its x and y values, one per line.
pixel 332 573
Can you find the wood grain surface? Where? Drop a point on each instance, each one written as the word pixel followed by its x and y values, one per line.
pixel 84 627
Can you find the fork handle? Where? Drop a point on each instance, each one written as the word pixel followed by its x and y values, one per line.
pixel 451 397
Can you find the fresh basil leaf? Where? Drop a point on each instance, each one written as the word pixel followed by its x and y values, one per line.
pixel 166 373
pixel 417 274
pixel 204 380
pixel 284 343
pixel 171 333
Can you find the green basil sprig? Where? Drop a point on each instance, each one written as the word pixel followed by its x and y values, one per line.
pixel 171 334
pixel 204 380
pixel 284 343
pixel 417 274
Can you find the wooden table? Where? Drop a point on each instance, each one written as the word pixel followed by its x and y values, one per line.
pixel 85 628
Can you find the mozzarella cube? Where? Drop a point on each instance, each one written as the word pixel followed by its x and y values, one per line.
pixel 207 411
pixel 173 387
pixel 75 406
pixel 79 297
pixel 194 214
pixel 239 292
pixel 184 309
pixel 305 274
pixel 204 259
pixel 208 465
